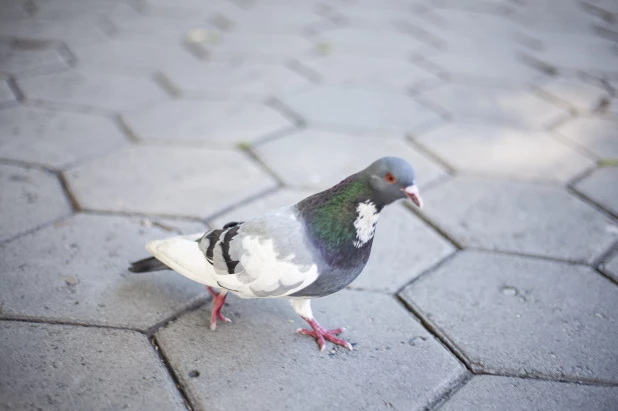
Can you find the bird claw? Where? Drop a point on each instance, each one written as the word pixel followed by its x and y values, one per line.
pixel 320 335
pixel 217 300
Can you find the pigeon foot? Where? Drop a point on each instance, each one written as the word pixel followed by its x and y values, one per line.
pixel 320 334
pixel 218 299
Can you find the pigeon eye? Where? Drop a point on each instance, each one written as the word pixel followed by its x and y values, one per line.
pixel 390 179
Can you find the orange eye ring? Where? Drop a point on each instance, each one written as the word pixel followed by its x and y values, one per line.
pixel 389 178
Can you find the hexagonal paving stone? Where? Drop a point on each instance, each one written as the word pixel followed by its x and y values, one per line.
pixel 244 80
pixel 488 393
pixel 132 56
pixel 76 271
pixel 354 108
pixel 215 122
pixel 177 181
pixel 320 159
pixel 90 89
pixel 508 106
pixel 71 31
pixel 384 73
pixel 257 45
pixel 525 317
pixel 29 199
pixel 610 267
pixel 56 367
pixel 19 58
pixel 505 151
pixel 597 135
pixel 575 94
pixel 42 136
pixel 281 198
pixel 403 248
pixel 519 217
pixel 602 187
pixel 389 343
pixel 371 43
pixel 6 94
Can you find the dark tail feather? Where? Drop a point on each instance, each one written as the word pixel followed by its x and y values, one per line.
pixel 147 265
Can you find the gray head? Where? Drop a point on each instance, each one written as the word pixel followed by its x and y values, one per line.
pixel 393 178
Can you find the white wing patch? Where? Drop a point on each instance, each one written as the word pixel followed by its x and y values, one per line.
pixel 365 223
pixel 277 275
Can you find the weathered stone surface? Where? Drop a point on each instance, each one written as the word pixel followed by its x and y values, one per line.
pixel 223 123
pixel 59 367
pixel 132 56
pixel 602 187
pixel 320 159
pixel 554 17
pixel 353 108
pixel 43 136
pixel 281 198
pixel 519 217
pixel 375 42
pixel 186 9
pixel 29 199
pixel 178 181
pixel 403 248
pixel 159 30
pixel 6 94
pixel 257 45
pixel 60 10
pixel 514 107
pixel 525 317
pixel 261 341
pixel 13 10
pixel 575 94
pixel 71 31
pixel 610 267
pixel 384 73
pixel 91 89
pixel 505 151
pixel 488 393
pixel 27 57
pixel 240 80
pixel 597 135
pixel 271 18
pixel 76 271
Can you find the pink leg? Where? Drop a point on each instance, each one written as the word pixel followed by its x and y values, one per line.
pixel 218 299
pixel 320 333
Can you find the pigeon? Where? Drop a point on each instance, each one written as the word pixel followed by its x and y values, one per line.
pixel 309 250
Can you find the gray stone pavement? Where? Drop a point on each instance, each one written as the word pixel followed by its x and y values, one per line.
pixel 123 121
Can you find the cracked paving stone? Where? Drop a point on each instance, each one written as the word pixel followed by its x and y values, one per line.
pixel 244 80
pixel 490 393
pixel 21 58
pixel 357 109
pixel 384 73
pixel 214 122
pixel 90 89
pixel 575 94
pixel 42 136
pixel 597 135
pixel 60 367
pixel 525 317
pixel 76 271
pixel 161 180
pixel 602 187
pixel 403 248
pixel 515 107
pixel 389 344
pixel 536 219
pixel 320 159
pixel 132 56
pixel 504 151
pixel 30 198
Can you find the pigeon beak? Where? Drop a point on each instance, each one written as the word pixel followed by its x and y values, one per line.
pixel 413 194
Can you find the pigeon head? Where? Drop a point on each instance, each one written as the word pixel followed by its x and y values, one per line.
pixel 391 179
